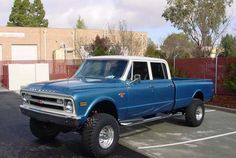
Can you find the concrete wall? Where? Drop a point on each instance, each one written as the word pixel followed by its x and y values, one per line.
pixel 0 52
pixel 49 40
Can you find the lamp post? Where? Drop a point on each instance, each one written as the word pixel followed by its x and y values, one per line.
pixel 175 60
pixel 216 71
pixel 45 44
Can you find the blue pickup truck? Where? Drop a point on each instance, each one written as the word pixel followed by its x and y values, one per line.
pixel 108 92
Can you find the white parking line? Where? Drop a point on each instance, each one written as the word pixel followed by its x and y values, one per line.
pixel 210 110
pixel 186 142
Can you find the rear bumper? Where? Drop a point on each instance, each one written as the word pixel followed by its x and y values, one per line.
pixel 59 119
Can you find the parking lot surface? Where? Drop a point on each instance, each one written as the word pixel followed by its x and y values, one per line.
pixel 16 140
pixel 170 138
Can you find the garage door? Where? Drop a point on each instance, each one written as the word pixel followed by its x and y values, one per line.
pixel 0 52
pixel 24 52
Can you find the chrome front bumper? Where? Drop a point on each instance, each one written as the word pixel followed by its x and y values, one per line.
pixel 41 115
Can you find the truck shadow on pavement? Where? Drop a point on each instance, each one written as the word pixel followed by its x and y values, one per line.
pixel 69 144
pixel 66 148
pixel 147 127
pixel 16 140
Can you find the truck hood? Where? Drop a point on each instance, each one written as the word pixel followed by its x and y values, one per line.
pixel 71 86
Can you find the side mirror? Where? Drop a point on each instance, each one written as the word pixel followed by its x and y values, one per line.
pixel 137 78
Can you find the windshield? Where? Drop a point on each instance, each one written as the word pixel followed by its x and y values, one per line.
pixel 102 69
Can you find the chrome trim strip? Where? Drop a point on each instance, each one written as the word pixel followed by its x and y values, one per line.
pixel 141 121
pixel 57 114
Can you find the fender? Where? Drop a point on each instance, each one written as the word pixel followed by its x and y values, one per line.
pixel 98 100
pixel 198 91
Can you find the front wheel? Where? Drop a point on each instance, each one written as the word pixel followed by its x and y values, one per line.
pixel 100 134
pixel 194 114
pixel 43 130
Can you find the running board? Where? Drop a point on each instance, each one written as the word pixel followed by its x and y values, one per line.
pixel 141 121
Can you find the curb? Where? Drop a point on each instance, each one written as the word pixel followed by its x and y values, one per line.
pixel 10 91
pixel 233 111
pixel 1 91
pixel 144 153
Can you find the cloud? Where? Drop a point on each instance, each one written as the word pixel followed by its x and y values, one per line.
pixel 95 13
pixel 137 13
pixel 141 15
pixel 5 8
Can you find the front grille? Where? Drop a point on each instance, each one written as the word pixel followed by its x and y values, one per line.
pixel 44 100
pixel 46 105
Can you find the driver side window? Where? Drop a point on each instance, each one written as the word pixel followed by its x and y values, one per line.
pixel 140 68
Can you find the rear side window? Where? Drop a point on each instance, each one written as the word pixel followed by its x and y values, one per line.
pixel 159 71
pixel 141 68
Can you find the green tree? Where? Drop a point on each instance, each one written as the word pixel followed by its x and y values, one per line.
pixel 203 21
pixel 24 13
pixel 14 18
pixel 19 14
pixel 80 24
pixel 228 43
pixel 100 46
pixel 152 49
pixel 37 15
pixel 177 45
pixel 230 80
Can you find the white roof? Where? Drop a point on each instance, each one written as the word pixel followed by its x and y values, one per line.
pixel 127 58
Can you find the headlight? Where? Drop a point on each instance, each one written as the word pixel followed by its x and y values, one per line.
pixel 68 106
pixel 26 97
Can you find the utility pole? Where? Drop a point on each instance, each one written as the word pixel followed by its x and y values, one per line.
pixel 216 71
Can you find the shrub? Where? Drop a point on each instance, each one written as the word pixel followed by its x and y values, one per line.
pixel 177 73
pixel 230 80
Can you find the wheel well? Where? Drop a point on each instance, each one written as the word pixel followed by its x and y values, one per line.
pixel 199 95
pixel 105 107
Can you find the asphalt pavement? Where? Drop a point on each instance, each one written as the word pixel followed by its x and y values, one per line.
pixel 16 140
pixel 169 138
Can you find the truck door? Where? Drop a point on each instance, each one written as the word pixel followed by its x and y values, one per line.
pixel 163 88
pixel 140 100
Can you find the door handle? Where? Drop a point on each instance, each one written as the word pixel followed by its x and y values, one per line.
pixel 151 86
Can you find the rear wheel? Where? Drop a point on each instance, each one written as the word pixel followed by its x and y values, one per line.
pixel 43 130
pixel 194 114
pixel 100 134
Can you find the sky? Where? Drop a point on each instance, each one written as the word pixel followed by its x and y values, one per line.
pixel 140 15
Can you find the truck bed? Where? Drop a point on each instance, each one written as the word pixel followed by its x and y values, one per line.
pixel 186 88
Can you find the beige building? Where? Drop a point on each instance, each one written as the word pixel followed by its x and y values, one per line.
pixel 26 43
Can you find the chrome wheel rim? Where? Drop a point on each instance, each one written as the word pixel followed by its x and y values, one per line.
pixel 199 113
pixel 106 137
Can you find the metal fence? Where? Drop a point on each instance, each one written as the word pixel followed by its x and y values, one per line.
pixel 205 68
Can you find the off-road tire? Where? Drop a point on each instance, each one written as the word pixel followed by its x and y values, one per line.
pixel 192 113
pixel 43 130
pixel 91 134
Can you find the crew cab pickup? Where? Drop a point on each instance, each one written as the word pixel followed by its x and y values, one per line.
pixel 108 92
